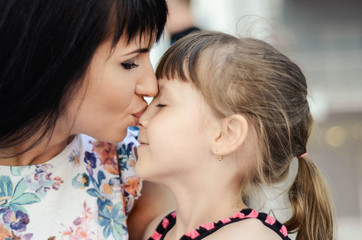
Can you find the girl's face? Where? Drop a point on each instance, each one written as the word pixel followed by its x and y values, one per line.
pixel 111 96
pixel 175 133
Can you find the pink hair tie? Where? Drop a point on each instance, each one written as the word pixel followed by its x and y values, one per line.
pixel 303 155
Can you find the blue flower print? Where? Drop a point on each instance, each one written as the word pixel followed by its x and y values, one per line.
pixel 125 152
pixel 81 181
pixel 15 171
pixel 112 219
pixel 102 201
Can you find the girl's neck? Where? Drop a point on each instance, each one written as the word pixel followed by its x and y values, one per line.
pixel 202 203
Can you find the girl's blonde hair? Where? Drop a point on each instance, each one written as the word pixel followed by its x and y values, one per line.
pixel 250 77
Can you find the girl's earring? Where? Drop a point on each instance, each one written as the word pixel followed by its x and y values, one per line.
pixel 220 157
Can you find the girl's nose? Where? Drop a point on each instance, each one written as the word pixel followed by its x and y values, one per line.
pixel 143 121
pixel 148 115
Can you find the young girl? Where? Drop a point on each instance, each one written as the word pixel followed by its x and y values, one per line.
pixel 231 114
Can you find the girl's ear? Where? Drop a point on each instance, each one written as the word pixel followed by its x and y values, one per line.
pixel 231 134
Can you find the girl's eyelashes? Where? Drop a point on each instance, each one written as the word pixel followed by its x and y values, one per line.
pixel 128 65
pixel 160 105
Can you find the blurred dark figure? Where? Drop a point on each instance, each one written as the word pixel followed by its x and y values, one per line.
pixel 180 20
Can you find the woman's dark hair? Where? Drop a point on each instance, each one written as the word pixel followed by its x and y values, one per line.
pixel 46 47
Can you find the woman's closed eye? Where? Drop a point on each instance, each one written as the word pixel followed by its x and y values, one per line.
pixel 128 65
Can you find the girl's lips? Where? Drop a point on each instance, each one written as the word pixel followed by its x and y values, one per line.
pixel 142 143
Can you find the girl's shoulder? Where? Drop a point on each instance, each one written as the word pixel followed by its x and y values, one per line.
pixel 157 226
pixel 249 224
pixel 245 224
pixel 248 229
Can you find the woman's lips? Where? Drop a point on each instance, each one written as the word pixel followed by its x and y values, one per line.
pixel 136 120
pixel 140 112
pixel 137 115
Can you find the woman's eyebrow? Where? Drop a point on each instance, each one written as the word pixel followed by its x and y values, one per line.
pixel 138 50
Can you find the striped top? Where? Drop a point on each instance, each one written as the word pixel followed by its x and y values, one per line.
pixel 208 228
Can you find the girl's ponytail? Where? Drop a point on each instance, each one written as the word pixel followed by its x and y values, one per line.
pixel 311 204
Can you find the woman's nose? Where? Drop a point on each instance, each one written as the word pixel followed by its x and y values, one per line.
pixel 147 85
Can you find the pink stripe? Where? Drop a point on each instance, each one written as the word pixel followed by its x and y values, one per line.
pixel 270 220
pixel 165 223
pixel 208 226
pixel 253 214
pixel 225 220
pixel 156 236
pixel 284 230
pixel 238 215
pixel 173 214
pixel 193 234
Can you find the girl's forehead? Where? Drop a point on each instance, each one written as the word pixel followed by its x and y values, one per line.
pixel 167 85
pixel 174 86
pixel 163 84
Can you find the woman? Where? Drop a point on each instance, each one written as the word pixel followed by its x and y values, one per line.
pixel 72 72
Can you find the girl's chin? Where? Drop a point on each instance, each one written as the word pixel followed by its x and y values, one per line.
pixel 143 173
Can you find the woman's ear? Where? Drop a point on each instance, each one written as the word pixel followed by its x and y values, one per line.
pixel 231 134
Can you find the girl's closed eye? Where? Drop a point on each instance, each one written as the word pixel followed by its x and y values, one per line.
pixel 160 105
pixel 128 65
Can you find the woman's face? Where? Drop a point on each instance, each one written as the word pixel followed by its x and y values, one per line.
pixel 110 98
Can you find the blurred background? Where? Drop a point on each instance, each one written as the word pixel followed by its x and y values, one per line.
pixel 324 37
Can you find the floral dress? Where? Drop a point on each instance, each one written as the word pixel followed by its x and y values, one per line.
pixel 85 192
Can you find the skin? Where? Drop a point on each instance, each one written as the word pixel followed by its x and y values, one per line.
pixel 181 140
pixel 175 137
pixel 113 91
pixel 175 132
pixel 109 100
